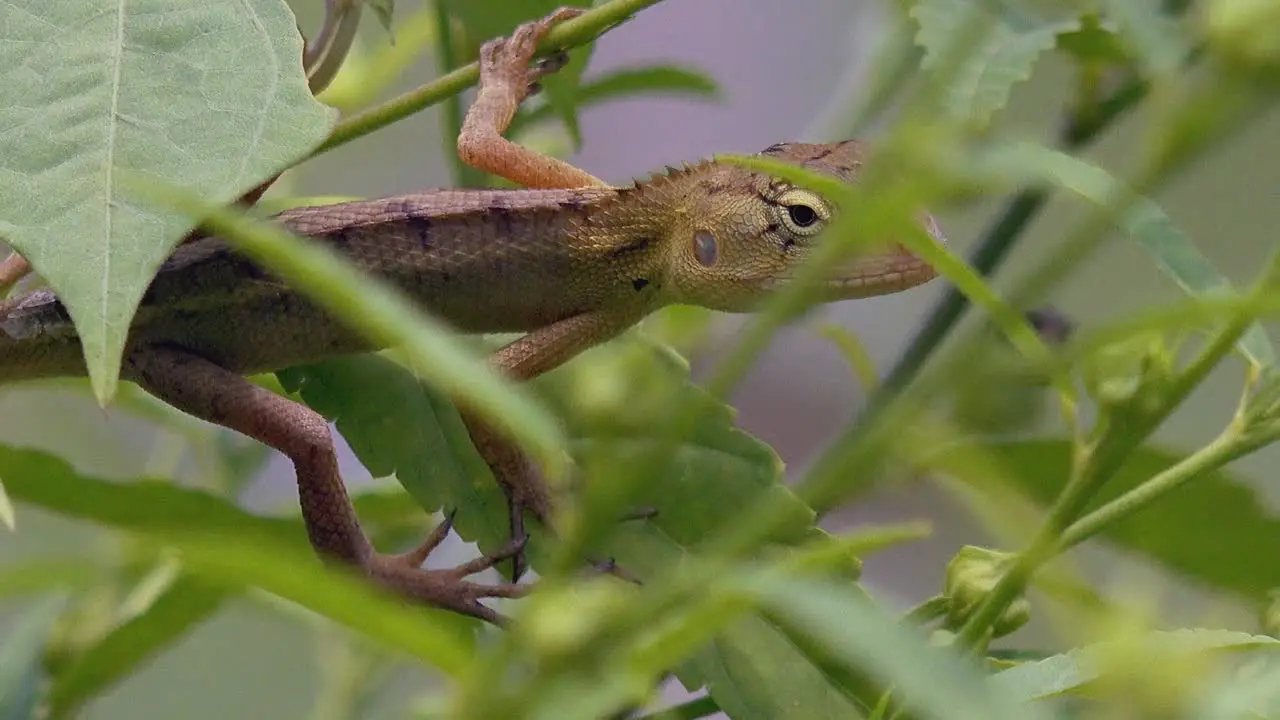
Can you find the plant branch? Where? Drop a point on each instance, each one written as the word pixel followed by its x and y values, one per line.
pixel 1225 448
pixel 1094 466
pixel 572 33
pixel 446 59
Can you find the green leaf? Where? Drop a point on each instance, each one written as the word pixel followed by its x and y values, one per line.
pixel 1144 222
pixel 630 83
pixel 1095 41
pixel 612 399
pixel 930 681
pixel 1208 530
pixel 211 97
pixel 617 400
pixel 985 48
pixel 22 661
pixel 396 425
pixel 1252 691
pixel 170 616
pixel 754 671
pixel 1074 671
pixel 1158 41
pixel 230 547
pixel 487 19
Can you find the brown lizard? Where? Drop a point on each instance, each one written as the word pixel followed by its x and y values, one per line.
pixel 570 262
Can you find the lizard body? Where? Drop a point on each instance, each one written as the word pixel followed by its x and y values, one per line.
pixel 484 261
pixel 570 262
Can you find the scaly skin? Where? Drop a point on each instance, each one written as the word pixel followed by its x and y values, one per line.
pixel 485 261
pixel 571 263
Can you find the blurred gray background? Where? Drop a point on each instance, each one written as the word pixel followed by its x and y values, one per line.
pixel 785 68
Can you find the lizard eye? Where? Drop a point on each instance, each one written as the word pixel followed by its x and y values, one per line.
pixel 802 212
pixel 802 215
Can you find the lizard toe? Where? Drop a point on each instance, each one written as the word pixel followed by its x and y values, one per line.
pixel 514 547
pixel 444 588
pixel 507 59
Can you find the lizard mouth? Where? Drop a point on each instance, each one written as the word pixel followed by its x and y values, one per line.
pixel 870 276
pixel 881 275
pixel 890 270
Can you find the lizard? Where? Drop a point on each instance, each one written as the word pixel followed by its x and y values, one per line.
pixel 568 260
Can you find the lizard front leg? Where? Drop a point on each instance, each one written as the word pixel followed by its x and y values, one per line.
pixel 532 355
pixel 202 389
pixel 506 78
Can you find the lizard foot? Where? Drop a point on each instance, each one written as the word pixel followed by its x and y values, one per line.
pixel 527 492
pixel 506 61
pixel 448 588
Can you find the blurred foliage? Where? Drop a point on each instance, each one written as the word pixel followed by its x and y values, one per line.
pixel 742 595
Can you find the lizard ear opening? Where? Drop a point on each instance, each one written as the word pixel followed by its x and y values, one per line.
pixel 705 248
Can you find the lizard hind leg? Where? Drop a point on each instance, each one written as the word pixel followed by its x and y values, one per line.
pixel 204 390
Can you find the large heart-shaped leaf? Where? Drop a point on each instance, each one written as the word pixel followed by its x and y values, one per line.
pixel 1208 530
pixel 210 96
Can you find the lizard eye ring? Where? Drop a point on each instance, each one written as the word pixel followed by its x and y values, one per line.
pixel 802 212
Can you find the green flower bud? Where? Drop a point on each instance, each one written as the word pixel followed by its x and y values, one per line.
pixel 1134 370
pixel 1245 33
pixel 971 575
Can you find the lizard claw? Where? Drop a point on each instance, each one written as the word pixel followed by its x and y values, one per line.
pixel 518 501
pixel 447 588
pixel 551 63
pixel 505 61
pixel 641 513
pixel 610 566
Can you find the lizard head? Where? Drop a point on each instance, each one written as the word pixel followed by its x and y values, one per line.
pixel 739 234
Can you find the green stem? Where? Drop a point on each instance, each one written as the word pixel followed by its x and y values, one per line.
pixel 1224 449
pixel 338 34
pixel 1092 470
pixel 446 58
pixel 572 33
